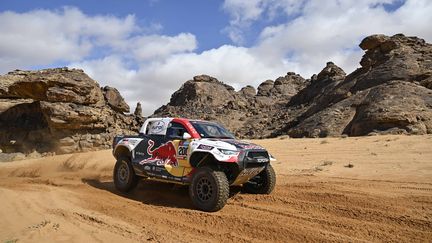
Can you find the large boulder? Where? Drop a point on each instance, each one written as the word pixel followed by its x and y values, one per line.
pixel 59 110
pixel 389 93
pixel 203 97
pixel 248 91
pixel 115 100
pixel 52 85
pixel 265 88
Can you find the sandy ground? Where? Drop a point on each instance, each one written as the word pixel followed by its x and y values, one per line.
pixel 333 189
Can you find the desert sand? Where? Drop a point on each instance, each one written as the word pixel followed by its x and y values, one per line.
pixel 357 189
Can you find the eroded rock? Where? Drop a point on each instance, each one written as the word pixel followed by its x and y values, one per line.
pixel 51 110
pixel 115 100
pixel 389 93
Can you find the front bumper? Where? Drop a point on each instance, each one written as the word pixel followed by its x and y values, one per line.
pixel 250 163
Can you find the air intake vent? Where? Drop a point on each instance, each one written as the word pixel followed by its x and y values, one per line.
pixel 257 155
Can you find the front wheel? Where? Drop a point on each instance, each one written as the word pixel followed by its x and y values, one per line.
pixel 263 183
pixel 124 175
pixel 209 190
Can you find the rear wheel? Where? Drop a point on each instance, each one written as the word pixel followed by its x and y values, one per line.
pixel 209 190
pixel 263 183
pixel 124 175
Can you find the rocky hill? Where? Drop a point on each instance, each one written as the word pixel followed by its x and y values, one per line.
pixel 390 93
pixel 63 110
pixel 59 110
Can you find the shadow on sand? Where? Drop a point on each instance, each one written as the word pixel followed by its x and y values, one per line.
pixel 150 192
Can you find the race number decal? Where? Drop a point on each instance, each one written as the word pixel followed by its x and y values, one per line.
pixel 182 151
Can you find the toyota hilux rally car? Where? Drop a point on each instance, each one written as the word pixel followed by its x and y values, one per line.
pixel 201 154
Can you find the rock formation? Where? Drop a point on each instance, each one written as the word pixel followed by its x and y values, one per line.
pixel 138 110
pixel 115 100
pixel 247 112
pixel 389 93
pixel 63 110
pixel 59 110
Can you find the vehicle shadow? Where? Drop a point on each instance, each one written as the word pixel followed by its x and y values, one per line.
pixel 150 192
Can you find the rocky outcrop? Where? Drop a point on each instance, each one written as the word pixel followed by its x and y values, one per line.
pixel 63 110
pixel 115 100
pixel 138 110
pixel 389 93
pixel 59 110
pixel 247 112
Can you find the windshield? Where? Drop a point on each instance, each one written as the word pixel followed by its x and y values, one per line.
pixel 211 130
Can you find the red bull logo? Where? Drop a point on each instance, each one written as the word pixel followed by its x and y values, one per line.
pixel 165 154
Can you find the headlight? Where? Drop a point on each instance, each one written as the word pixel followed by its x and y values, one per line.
pixel 228 152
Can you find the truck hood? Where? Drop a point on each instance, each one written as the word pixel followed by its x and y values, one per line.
pixel 230 144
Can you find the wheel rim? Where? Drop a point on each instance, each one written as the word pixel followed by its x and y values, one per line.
pixel 123 172
pixel 204 189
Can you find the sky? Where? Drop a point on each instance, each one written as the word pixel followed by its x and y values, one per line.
pixel 148 48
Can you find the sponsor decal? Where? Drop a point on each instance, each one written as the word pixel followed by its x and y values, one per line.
pixel 251 146
pixel 205 147
pixel 158 126
pixel 165 154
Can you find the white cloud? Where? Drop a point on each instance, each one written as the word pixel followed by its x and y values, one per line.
pixel 42 37
pixel 331 30
pixel 244 12
pixel 156 46
pixel 152 84
pixel 147 67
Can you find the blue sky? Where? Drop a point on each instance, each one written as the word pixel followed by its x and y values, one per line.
pixel 147 49
pixel 206 18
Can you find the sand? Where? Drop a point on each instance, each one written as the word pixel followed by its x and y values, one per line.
pixel 333 189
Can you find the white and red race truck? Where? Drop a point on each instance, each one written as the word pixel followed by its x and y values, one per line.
pixel 201 154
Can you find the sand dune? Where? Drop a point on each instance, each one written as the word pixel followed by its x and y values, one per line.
pixel 333 189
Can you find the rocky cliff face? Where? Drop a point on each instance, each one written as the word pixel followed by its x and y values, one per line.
pixel 247 112
pixel 389 93
pixel 63 110
pixel 59 110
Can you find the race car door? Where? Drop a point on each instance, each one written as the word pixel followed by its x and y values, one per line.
pixel 175 134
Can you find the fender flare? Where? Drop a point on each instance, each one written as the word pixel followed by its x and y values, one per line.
pixel 122 150
pixel 198 157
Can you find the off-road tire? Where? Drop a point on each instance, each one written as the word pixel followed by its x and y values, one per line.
pixel 263 183
pixel 124 175
pixel 209 189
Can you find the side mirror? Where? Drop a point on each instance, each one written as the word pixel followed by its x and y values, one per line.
pixel 186 136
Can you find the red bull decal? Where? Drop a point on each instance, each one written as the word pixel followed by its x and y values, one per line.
pixel 165 154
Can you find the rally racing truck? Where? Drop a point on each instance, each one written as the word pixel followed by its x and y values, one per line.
pixel 200 154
